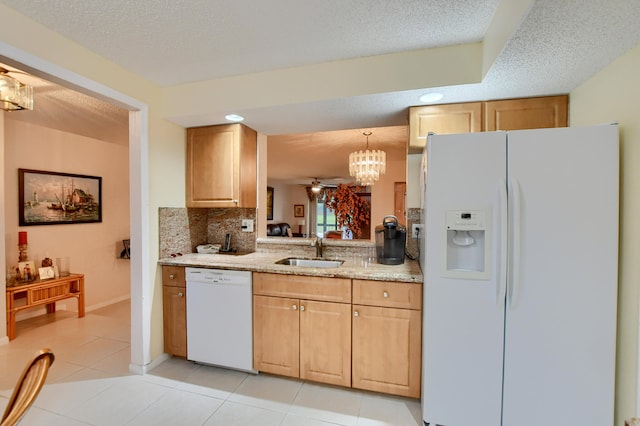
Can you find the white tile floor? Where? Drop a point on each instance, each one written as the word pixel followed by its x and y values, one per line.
pixel 89 384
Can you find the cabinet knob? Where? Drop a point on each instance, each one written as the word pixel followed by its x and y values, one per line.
pixel 302 307
pixel 172 277
pixel 294 307
pixel 385 294
pixel 181 294
pixel 356 313
pixel 235 201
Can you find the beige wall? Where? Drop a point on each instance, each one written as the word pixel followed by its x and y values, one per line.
pixel 91 247
pixel 612 96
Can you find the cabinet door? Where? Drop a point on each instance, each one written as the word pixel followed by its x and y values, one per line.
pixel 442 119
pixel 387 350
pixel 325 342
pixel 276 331
pixel 527 113
pixel 174 310
pixel 212 166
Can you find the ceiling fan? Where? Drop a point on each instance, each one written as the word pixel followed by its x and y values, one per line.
pixel 316 186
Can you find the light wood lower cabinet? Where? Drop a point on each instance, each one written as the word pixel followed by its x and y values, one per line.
pixel 325 342
pixel 387 337
pixel 276 335
pixel 386 350
pixel 174 310
pixel 295 337
pixel 373 344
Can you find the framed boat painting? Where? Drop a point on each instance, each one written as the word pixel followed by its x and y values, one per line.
pixel 52 198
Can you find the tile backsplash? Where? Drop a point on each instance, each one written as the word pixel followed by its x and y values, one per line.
pixel 182 229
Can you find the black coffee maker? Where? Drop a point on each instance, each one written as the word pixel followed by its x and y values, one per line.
pixel 391 238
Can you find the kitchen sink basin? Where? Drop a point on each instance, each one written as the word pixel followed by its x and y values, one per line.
pixel 310 263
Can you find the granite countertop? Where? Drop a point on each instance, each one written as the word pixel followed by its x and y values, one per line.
pixel 352 267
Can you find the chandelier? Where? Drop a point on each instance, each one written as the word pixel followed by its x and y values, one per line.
pixel 367 166
pixel 14 95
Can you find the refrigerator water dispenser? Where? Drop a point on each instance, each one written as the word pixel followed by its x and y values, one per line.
pixel 466 244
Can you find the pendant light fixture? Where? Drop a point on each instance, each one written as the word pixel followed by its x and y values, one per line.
pixel 14 95
pixel 367 166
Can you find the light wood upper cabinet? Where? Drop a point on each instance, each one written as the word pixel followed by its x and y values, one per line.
pixel 174 310
pixel 221 166
pixel 442 119
pixel 528 113
pixel 509 114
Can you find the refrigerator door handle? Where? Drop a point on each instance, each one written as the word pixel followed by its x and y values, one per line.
pixel 516 223
pixel 502 275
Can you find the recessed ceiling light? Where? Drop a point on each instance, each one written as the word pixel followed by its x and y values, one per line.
pixel 234 117
pixel 431 97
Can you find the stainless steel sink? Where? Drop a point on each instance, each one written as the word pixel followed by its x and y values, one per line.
pixel 310 263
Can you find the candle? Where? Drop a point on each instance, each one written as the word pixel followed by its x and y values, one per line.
pixel 22 237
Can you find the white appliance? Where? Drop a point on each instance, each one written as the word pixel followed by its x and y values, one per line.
pixel 520 260
pixel 219 318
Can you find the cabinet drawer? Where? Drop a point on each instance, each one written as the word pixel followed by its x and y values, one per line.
pixel 173 276
pixel 302 287
pixel 387 294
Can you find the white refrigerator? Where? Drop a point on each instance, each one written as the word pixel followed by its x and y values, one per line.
pixel 520 259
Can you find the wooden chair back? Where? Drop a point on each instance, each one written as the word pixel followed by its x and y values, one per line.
pixel 28 387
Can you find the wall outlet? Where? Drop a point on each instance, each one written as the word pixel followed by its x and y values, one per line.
pixel 247 225
pixel 417 228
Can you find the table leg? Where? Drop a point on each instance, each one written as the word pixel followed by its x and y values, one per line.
pixel 81 297
pixel 51 307
pixel 11 318
pixel 11 325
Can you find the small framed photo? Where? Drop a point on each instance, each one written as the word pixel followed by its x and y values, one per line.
pixel 298 210
pixel 46 273
pixel 27 270
pixel 126 251
pixel 269 203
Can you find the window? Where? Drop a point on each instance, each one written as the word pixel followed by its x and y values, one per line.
pixel 325 219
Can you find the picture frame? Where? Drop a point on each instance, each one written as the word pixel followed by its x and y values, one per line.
pixel 126 252
pixel 26 270
pixel 53 198
pixel 269 203
pixel 46 273
pixel 298 210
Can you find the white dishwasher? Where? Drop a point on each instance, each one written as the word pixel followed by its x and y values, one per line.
pixel 219 318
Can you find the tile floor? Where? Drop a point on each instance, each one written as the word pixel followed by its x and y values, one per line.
pixel 89 384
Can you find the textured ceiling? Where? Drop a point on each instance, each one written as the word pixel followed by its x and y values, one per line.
pixel 554 47
pixel 207 39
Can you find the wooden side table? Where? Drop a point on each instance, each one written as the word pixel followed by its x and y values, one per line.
pixel 43 292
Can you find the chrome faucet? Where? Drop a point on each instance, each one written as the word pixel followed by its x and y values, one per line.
pixel 317 242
